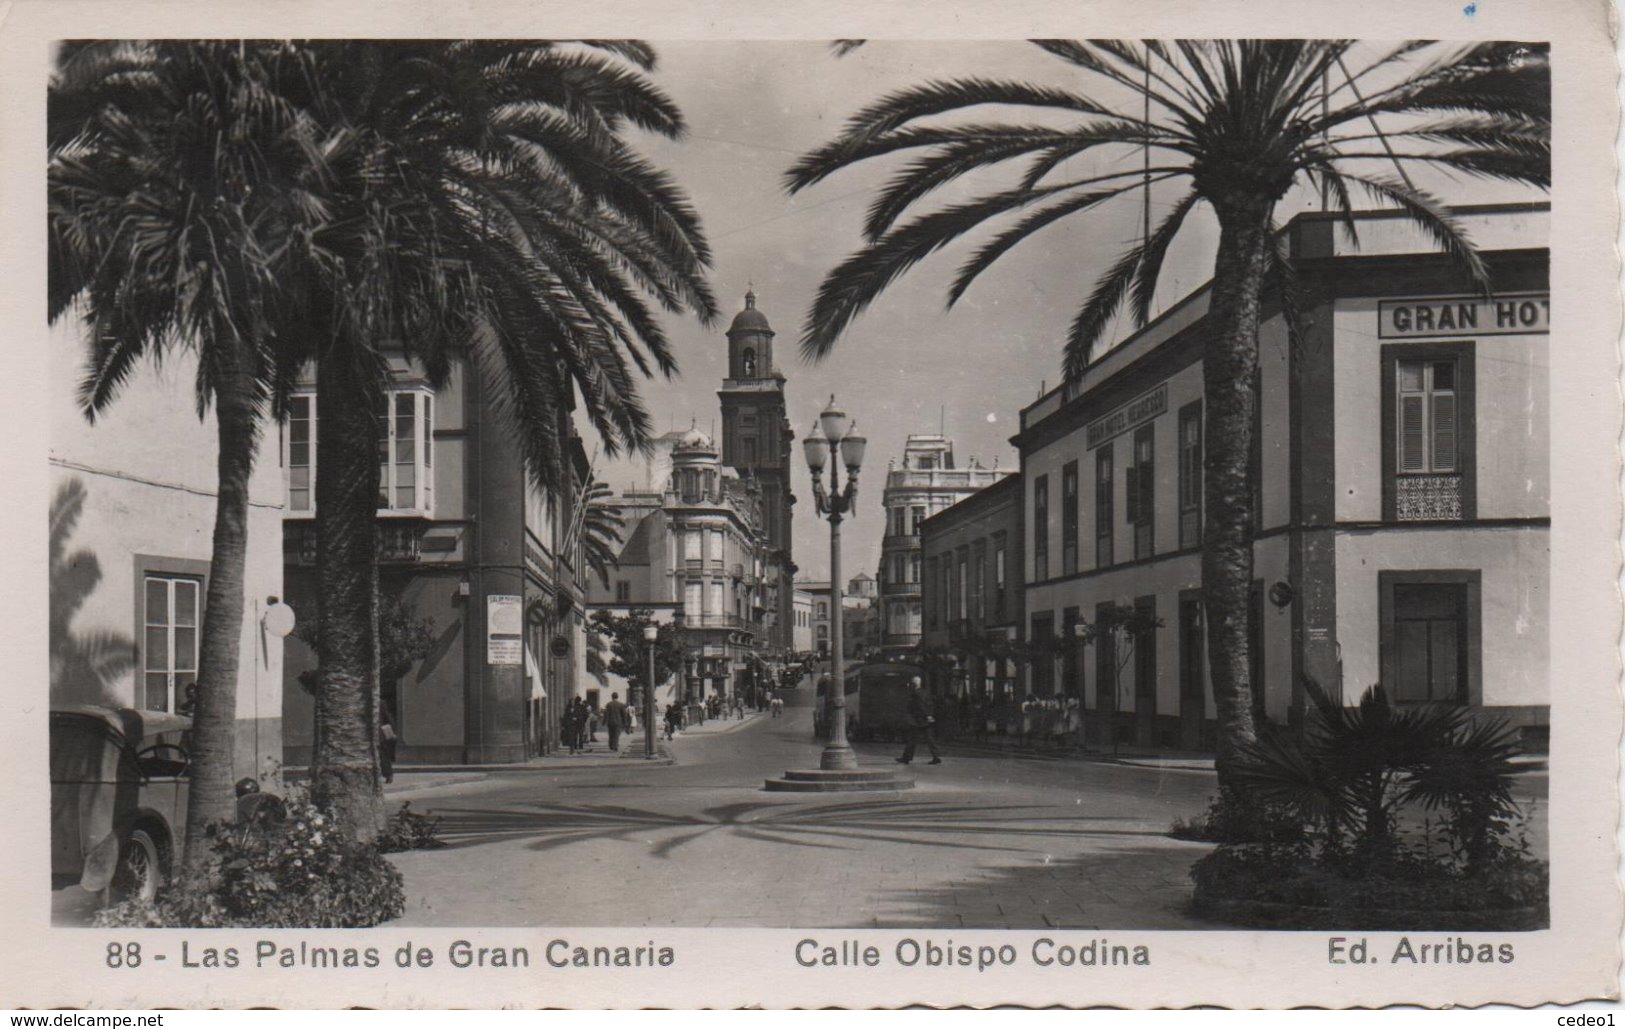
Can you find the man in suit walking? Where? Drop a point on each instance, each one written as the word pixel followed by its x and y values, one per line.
pixel 920 723
pixel 615 720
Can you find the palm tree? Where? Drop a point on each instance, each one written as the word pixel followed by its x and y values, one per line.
pixel 162 222
pixel 1236 124
pixel 481 199
pixel 601 528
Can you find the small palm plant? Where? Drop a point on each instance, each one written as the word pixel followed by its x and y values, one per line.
pixel 1355 768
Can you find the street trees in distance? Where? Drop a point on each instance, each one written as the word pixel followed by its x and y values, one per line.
pixel 628 654
pixel 1233 124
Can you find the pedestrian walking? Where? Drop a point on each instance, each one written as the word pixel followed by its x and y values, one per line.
pixel 615 721
pixel 386 743
pixel 920 721
pixel 674 715
pixel 567 726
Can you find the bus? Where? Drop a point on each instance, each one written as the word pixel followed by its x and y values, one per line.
pixel 876 701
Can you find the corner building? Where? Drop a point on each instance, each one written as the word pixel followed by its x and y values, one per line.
pixel 1401 496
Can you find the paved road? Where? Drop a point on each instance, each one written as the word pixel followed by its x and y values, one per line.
pixel 983 841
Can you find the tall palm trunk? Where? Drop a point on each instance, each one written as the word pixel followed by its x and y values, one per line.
pixel 1228 365
pixel 214 720
pixel 344 773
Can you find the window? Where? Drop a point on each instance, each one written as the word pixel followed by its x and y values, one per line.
pixel 914 567
pixel 405 452
pixel 1069 518
pixel 1043 682
pixel 1104 513
pixel 715 549
pixel 998 576
pixel 1041 528
pixel 1430 635
pixel 693 599
pixel 823 609
pixel 170 607
pixel 691 545
pixel 1142 491
pixel 916 515
pixel 1071 653
pixel 934 610
pixel 898 515
pixel 623 591
pixel 947 586
pixel 978 584
pixel 716 605
pixel 301 460
pixel 1190 475
pixel 963 608
pixel 1428 429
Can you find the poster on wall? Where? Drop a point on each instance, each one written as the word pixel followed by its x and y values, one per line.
pixel 503 622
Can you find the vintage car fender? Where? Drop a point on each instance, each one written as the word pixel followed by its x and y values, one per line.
pixel 101 861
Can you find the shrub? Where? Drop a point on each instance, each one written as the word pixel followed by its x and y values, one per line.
pixel 408 830
pixel 303 872
pixel 1233 817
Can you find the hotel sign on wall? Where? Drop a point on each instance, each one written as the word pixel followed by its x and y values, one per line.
pixel 1141 409
pixel 1432 317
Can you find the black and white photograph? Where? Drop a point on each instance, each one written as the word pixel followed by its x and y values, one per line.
pixel 1007 505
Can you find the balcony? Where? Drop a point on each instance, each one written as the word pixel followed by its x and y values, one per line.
pixel 400 540
pixel 1420 498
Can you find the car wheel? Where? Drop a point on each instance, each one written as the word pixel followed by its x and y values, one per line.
pixel 140 869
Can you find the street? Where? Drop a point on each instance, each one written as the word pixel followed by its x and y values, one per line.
pixel 982 841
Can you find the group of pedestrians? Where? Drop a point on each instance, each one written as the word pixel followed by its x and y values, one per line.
pixel 580 722
pixel 1047 722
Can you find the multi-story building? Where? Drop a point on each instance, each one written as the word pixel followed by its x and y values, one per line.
pixel 129 557
pixel 699 544
pixel 972 587
pixel 1401 489
pixel 468 548
pixel 859 618
pixel 926 483
pixel 801 639
pixel 756 442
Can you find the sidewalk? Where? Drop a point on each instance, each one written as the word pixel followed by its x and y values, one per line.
pixel 1164 760
pixel 713 726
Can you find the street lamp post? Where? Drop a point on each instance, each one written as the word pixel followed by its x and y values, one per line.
pixel 837 445
pixel 651 633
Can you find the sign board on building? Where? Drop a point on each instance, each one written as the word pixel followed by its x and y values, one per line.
pixel 504 626
pixel 1142 408
pixel 1433 317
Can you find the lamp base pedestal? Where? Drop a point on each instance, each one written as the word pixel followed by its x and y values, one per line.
pixel 820 780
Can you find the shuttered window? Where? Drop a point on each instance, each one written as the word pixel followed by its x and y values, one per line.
pixel 1426 417
pixel 1142 491
pixel 1103 506
pixel 1069 518
pixel 1190 475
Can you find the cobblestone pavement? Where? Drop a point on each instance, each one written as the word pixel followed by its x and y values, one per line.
pixel 984 841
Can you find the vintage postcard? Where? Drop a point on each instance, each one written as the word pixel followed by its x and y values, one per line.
pixel 835 505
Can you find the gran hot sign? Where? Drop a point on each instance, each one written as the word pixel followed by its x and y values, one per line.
pixel 1433 317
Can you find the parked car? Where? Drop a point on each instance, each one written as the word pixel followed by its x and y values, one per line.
pixel 120 781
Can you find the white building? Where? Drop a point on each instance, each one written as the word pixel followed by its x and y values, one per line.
pixel 132 522
pixel 1401 489
pixel 926 483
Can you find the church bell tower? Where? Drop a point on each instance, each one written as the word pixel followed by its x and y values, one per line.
pixel 757 442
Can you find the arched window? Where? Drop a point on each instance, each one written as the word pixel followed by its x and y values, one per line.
pixel 749 363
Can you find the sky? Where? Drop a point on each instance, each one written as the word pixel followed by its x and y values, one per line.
pixel 907 365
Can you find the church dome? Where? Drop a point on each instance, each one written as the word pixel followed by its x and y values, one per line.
pixel 694 439
pixel 750 319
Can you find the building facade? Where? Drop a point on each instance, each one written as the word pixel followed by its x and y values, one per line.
pixel 700 544
pixel 756 442
pixel 860 621
pixel 801 639
pixel 131 540
pixel 1401 490
pixel 926 483
pixel 972 588
pixel 468 550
